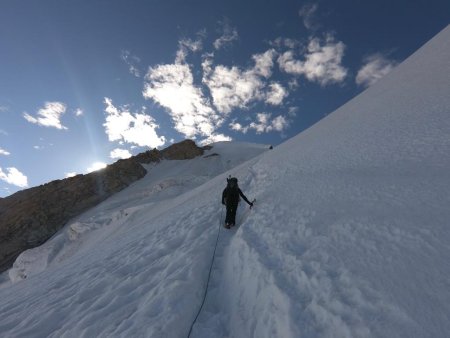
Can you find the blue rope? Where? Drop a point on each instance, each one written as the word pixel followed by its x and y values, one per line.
pixel 209 275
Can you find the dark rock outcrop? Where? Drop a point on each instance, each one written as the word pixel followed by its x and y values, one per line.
pixel 30 217
pixel 182 151
pixel 149 156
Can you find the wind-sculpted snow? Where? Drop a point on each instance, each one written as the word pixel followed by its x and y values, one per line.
pixel 136 265
pixel 349 236
pixel 166 181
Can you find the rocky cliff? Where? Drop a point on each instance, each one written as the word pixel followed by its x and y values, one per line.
pixel 29 217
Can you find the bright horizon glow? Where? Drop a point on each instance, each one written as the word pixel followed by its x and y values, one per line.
pixel 96 166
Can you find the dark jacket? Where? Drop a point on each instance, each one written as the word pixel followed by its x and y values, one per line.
pixel 232 197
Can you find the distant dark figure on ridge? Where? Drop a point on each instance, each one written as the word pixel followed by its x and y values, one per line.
pixel 230 198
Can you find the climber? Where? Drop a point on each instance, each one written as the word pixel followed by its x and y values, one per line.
pixel 230 198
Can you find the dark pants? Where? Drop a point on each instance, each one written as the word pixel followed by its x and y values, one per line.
pixel 231 214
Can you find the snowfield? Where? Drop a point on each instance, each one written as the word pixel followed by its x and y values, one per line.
pixel 349 236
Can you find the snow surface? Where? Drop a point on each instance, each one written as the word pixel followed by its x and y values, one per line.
pixel 349 236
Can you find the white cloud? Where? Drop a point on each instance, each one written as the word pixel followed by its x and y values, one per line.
pixel 96 166
pixel 264 63
pixel 276 94
pixel 120 153
pixel 4 152
pixel 3 109
pixel 194 115
pixel 72 174
pixel 280 123
pixel 238 127
pixel 139 129
pixel 49 116
pixel 307 13
pixel 235 88
pixel 215 138
pixel 375 67
pixel 172 86
pixel 2 132
pixel 14 177
pixel 207 64
pixel 186 45
pixel 131 62
pixel 229 35
pixel 231 87
pixel 263 124
pixel 79 112
pixel 322 62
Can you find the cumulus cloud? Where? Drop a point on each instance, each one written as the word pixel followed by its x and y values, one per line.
pixel 322 62
pixel 229 35
pixel 72 174
pixel 3 109
pixel 215 138
pixel 307 13
pixel 263 124
pixel 14 177
pixel 238 127
pixel 4 152
pixel 276 94
pixel 280 123
pixel 49 115
pixel 172 87
pixel 132 62
pixel 139 128
pixel 232 87
pixel 120 153
pixel 264 63
pixel 79 112
pixel 197 113
pixel 374 68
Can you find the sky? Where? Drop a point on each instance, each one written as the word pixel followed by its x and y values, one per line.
pixel 85 83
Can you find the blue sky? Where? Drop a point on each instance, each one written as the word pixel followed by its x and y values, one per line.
pixel 84 83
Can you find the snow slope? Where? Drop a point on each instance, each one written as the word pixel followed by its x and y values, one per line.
pixel 349 236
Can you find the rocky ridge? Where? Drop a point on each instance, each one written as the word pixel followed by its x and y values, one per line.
pixel 30 217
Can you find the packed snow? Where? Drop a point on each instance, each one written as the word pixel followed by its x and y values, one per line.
pixel 349 236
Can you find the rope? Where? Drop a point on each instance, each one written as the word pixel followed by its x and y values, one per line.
pixel 209 274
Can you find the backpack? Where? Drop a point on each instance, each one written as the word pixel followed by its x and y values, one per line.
pixel 232 192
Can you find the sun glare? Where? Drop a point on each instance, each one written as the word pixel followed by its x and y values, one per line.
pixel 96 166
